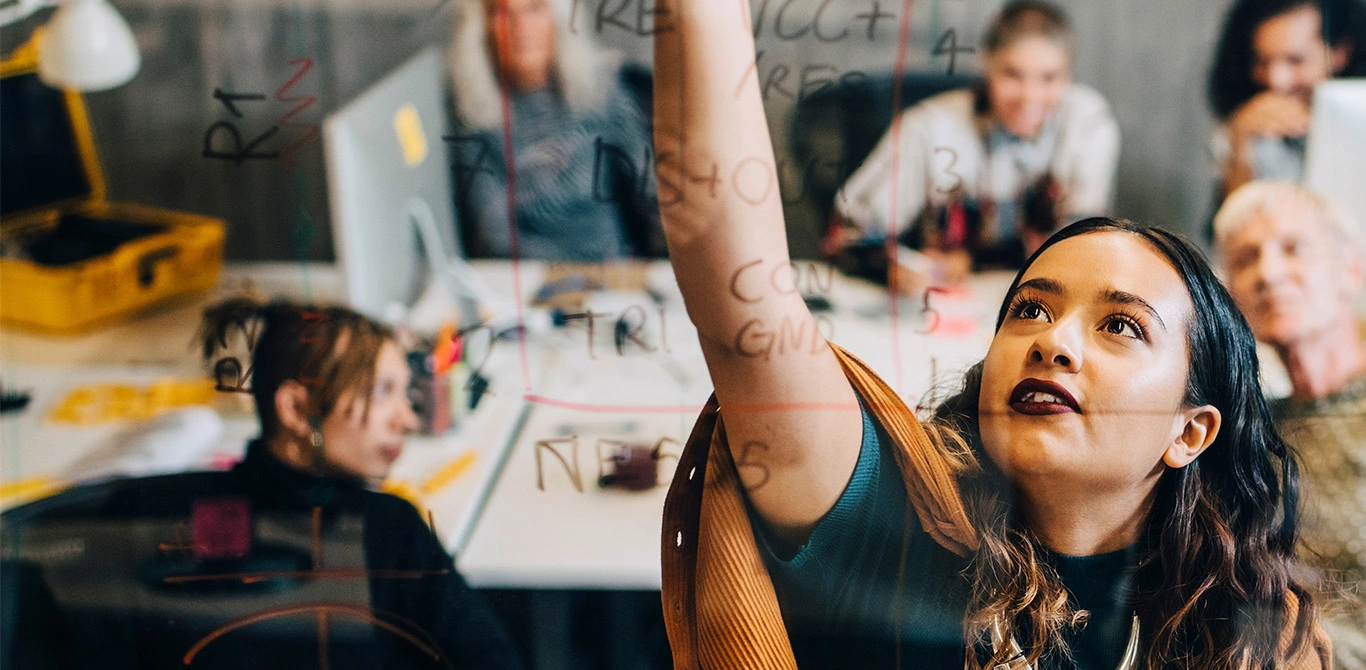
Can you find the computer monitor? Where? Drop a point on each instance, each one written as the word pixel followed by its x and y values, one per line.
pixel 1336 158
pixel 389 188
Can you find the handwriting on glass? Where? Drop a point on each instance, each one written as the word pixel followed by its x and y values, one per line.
pixel 948 170
pixel 930 313
pixel 743 465
pixel 557 448
pixel 474 156
pixel 948 46
pixel 755 339
pixel 236 151
pixel 784 278
pixel 752 282
pixel 229 377
pixel 627 329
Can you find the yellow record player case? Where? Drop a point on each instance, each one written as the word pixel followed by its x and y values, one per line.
pixel 72 261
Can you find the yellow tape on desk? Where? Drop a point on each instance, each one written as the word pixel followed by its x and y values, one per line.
pixel 101 403
pixel 417 495
pixel 22 491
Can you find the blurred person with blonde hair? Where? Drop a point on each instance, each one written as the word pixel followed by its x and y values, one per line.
pixel 578 176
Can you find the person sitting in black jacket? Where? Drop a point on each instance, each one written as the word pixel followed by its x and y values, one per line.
pixel 290 559
pixel 331 390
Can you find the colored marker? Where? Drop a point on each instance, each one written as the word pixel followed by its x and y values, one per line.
pixel 447 475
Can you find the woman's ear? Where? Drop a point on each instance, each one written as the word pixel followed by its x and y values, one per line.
pixel 291 406
pixel 1200 429
pixel 1339 56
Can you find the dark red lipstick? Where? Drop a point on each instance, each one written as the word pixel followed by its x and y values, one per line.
pixel 1038 397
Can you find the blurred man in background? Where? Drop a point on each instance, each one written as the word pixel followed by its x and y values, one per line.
pixel 1294 264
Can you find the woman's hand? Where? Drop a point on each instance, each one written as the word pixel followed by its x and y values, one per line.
pixel 840 235
pixel 1269 114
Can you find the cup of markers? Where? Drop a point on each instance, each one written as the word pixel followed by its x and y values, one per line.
pixel 445 386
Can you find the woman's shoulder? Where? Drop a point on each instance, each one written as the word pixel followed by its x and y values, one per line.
pixel 1082 102
pixel 385 504
pixel 957 105
pixel 619 88
pixel 947 116
pixel 1081 95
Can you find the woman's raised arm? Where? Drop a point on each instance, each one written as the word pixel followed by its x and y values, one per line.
pixel 791 417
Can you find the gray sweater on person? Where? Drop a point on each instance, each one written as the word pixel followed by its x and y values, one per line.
pixel 583 185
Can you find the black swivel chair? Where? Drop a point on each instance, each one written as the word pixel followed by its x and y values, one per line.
pixel 132 573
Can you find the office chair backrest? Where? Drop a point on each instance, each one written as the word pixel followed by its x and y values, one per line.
pixel 145 573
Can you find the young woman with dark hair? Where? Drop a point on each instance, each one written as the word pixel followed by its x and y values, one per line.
pixel 331 390
pixel 1271 55
pixel 1107 490
pixel 1211 565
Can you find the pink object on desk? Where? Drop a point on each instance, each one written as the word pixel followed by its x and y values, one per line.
pixel 221 527
pixel 635 469
pixel 956 326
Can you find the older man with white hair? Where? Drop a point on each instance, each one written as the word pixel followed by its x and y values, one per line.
pixel 1294 263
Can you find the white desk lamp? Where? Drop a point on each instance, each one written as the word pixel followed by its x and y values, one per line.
pixel 87 46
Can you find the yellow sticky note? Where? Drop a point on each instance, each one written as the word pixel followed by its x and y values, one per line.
pixel 408 127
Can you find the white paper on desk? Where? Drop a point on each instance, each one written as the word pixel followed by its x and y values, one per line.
pixel 172 442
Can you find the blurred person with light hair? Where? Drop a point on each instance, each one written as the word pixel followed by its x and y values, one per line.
pixel 1294 263
pixel 578 177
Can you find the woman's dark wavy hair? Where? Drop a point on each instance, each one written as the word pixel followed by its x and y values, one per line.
pixel 1230 78
pixel 1217 553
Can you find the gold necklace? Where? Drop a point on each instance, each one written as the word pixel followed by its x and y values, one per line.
pixel 1126 662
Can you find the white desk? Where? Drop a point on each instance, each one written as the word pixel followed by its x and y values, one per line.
pixel 548 524
pixel 540 530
